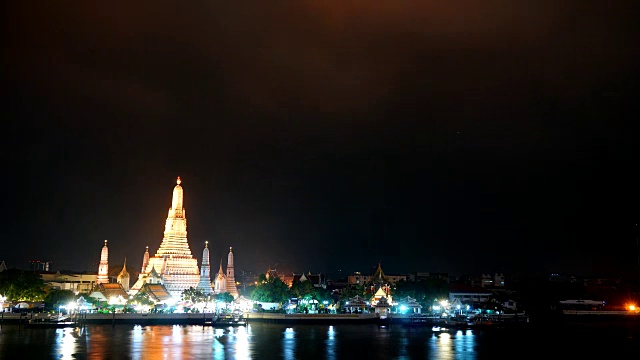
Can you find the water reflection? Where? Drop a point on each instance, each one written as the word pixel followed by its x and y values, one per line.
pixel 455 345
pixel 242 346
pixel 65 343
pixel 289 344
pixel 255 341
pixel 331 343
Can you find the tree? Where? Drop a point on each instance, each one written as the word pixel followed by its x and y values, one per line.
pixel 142 298
pixel 55 298
pixel 193 295
pixel 225 297
pixel 22 285
pixel 424 291
pixel 302 288
pixel 271 290
pixel 350 291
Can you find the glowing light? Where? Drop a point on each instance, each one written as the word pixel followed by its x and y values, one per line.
pixel 632 307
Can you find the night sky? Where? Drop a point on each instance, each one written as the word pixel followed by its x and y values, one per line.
pixel 459 137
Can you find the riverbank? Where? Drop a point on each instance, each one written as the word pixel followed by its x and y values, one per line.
pixel 278 318
pixel 203 318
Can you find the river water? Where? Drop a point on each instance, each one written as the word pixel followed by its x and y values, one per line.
pixel 277 341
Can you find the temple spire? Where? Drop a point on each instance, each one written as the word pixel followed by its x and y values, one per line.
pixel 231 279
pixel 103 268
pixel 123 277
pixel 145 260
pixel 205 278
pixel 176 202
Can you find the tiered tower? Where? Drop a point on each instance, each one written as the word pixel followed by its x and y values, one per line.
pixel 173 260
pixel 231 279
pixel 205 278
pixel 123 277
pixel 103 268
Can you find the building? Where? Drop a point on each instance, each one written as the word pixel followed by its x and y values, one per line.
pixel 468 295
pixel 205 270
pixel 173 261
pixel 79 283
pixel 123 277
pixel 424 276
pixel 110 293
pixel 38 265
pixel 103 268
pixel 220 283
pixel 317 280
pixel 492 280
pixel 231 277
pixel 359 278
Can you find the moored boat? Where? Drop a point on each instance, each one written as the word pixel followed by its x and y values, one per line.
pixel 62 321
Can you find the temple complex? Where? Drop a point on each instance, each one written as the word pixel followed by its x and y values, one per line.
pixel 103 268
pixel 205 270
pixel 173 261
pixel 231 279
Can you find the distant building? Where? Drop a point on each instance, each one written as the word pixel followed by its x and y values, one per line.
pixel 492 280
pixel 392 279
pixel 422 276
pixel 79 283
pixel 317 280
pixel 38 265
pixel 467 294
pixel 3 266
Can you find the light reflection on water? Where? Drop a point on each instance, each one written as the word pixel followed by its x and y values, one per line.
pixel 66 344
pixel 289 344
pixel 331 343
pixel 254 341
pixel 276 341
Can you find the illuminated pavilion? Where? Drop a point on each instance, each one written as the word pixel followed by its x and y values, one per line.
pixel 177 268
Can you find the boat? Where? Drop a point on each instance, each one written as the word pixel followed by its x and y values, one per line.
pixel 458 322
pixel 422 320
pixel 50 322
pixel 234 319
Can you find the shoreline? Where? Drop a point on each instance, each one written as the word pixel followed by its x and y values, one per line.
pixel 207 319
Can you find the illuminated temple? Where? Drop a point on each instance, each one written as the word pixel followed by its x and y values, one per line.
pixel 173 261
